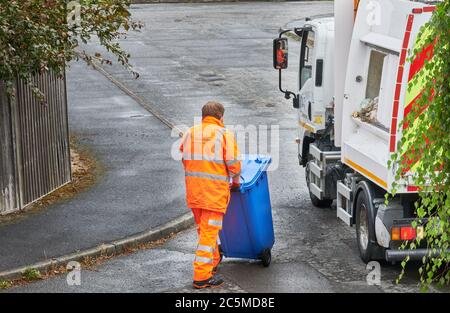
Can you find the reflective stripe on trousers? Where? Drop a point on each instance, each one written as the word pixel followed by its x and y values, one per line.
pixel 201 259
pixel 207 255
pixel 215 223
pixel 205 248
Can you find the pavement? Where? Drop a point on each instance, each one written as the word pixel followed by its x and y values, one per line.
pixel 186 55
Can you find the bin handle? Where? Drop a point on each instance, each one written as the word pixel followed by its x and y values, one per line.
pixel 243 180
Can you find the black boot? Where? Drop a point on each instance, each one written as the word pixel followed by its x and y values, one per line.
pixel 212 282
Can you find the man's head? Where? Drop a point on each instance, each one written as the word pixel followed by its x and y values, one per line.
pixel 214 109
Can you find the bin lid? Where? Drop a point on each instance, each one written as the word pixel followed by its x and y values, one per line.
pixel 252 168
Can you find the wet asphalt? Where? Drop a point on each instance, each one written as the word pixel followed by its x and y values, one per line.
pixel 189 54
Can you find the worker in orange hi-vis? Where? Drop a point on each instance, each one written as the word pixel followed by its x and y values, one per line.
pixel 281 57
pixel 211 161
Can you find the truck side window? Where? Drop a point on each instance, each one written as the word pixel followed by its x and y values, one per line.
pixel 319 72
pixel 306 74
pixel 306 70
pixel 375 73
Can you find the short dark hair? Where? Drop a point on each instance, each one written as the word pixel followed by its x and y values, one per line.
pixel 214 109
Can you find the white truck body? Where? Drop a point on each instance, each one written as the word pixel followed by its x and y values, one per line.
pixel 348 65
pixel 379 56
pixel 315 99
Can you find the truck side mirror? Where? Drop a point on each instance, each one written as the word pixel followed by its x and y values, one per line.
pixel 280 53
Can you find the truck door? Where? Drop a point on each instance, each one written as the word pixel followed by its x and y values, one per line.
pixel 306 85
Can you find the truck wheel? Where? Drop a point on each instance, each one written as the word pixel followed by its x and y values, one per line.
pixel 324 203
pixel 364 236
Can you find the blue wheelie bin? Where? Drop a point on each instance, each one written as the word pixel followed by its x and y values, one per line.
pixel 247 230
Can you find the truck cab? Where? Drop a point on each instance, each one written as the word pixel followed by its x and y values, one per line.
pixel 314 97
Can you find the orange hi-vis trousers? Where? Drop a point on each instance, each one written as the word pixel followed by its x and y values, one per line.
pixel 207 256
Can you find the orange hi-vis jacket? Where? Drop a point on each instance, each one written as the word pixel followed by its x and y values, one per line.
pixel 210 159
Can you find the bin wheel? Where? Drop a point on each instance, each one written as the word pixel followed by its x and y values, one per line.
pixel 221 253
pixel 266 257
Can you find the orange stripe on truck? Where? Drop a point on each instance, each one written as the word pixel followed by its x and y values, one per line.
pixel 365 172
pixel 355 8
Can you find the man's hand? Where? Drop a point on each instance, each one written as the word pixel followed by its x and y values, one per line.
pixel 235 186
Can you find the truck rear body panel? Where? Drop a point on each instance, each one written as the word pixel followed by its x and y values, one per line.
pixel 376 93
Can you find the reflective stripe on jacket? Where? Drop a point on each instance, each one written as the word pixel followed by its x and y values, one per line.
pixel 210 159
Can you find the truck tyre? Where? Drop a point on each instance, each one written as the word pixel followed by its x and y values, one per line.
pixel 324 203
pixel 365 228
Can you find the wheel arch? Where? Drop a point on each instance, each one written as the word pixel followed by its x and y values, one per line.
pixel 307 140
pixel 372 192
pixel 368 188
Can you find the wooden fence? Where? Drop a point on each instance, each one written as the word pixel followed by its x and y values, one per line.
pixel 34 142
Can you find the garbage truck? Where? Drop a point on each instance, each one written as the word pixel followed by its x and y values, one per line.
pixel 352 95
